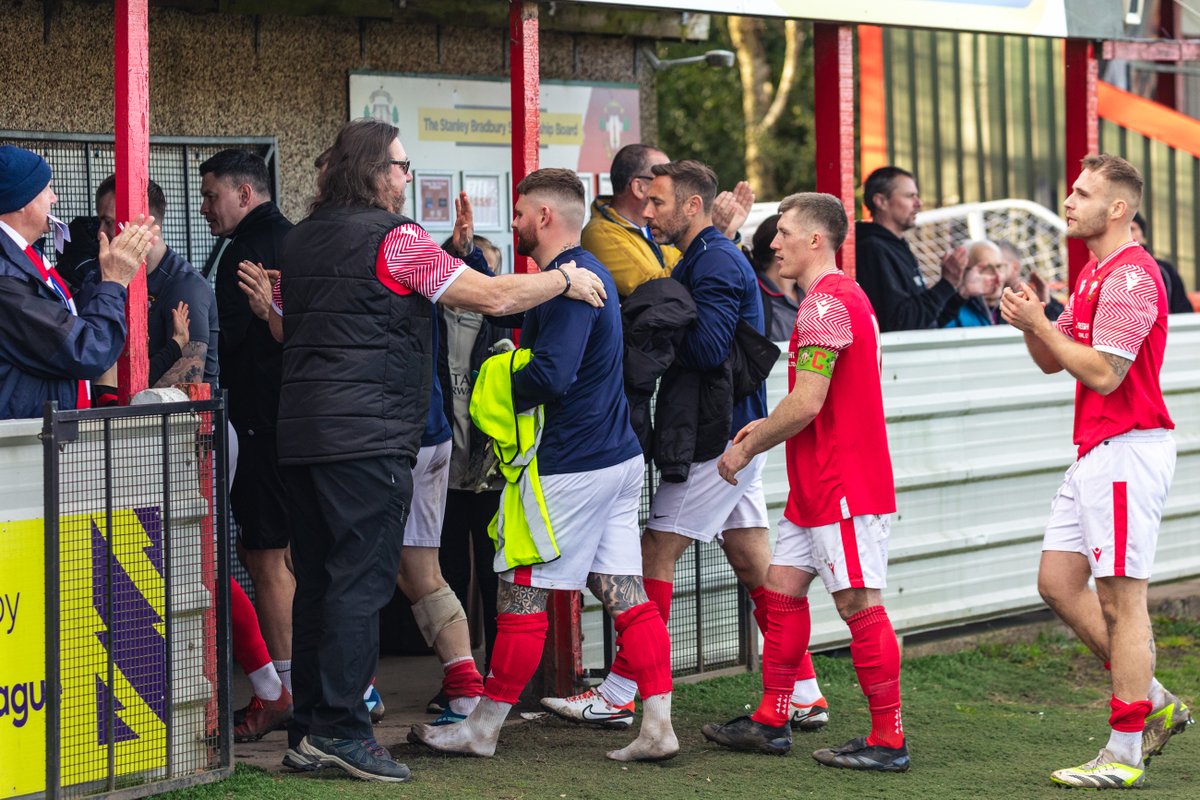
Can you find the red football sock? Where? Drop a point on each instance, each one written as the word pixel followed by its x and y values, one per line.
pixel 785 645
pixel 807 671
pixel 249 649
pixel 515 655
pixel 876 657
pixel 759 596
pixel 660 593
pixel 1128 717
pixel 462 679
pixel 642 635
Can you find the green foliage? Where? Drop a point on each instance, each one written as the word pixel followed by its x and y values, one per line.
pixel 700 112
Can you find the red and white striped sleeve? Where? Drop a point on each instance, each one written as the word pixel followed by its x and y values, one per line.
pixel 410 261
pixel 1066 320
pixel 823 321
pixel 1125 311
pixel 277 296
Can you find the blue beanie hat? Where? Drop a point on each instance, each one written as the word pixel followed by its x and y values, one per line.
pixel 23 175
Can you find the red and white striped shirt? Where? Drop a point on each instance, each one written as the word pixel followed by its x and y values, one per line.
pixel 1120 307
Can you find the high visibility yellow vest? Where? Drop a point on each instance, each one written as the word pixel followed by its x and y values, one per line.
pixel 521 529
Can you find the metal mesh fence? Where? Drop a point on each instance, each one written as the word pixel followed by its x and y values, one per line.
pixel 80 162
pixel 139 590
pixel 709 623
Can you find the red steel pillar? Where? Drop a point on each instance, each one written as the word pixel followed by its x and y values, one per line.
pixel 131 73
pixel 833 120
pixel 872 102
pixel 1169 89
pixel 1082 136
pixel 526 118
pixel 562 663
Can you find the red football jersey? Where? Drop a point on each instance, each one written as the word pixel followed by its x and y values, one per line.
pixel 839 465
pixel 1120 307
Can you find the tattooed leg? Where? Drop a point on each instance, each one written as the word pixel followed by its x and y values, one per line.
pixel 618 593
pixel 514 599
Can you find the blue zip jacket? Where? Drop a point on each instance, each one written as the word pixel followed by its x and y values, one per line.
pixel 44 348
pixel 724 287
pixel 577 374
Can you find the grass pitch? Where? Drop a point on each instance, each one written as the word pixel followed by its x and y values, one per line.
pixel 988 723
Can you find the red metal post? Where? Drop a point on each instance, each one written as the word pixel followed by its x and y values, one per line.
pixel 1169 90
pixel 131 90
pixel 526 118
pixel 562 664
pixel 833 120
pixel 872 102
pixel 1082 128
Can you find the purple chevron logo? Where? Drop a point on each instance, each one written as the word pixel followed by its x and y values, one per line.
pixel 130 638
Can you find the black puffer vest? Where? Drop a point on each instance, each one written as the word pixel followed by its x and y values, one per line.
pixel 357 356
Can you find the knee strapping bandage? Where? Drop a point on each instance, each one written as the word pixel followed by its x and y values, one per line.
pixel 437 611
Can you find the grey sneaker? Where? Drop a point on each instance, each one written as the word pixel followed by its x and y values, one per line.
pixel 1102 772
pixel 296 761
pixel 362 758
pixel 857 754
pixel 745 733
pixel 1162 724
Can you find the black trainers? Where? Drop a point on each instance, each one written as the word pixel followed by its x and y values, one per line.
pixel 438 704
pixel 857 754
pixel 362 758
pixel 744 733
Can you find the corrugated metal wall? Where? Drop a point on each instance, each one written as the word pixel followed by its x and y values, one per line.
pixel 980 117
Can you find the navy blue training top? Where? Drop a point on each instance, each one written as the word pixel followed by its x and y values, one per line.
pixel 577 374
pixel 723 285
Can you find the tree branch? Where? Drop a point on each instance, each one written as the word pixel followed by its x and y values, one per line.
pixel 787 76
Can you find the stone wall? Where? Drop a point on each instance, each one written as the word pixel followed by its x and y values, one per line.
pixel 282 76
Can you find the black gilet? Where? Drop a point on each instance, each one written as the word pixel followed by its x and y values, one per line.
pixel 357 356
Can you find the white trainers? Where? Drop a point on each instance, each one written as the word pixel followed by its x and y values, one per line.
pixel 590 708
pixel 1102 772
pixel 810 718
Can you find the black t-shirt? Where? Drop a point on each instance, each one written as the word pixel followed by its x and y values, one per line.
pixel 175 280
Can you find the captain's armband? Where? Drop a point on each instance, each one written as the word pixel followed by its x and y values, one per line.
pixel 816 359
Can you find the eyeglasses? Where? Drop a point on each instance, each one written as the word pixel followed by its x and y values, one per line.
pixel 403 165
pixel 645 177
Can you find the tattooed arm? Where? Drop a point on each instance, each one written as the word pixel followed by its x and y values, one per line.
pixel 188 368
pixel 618 593
pixel 513 599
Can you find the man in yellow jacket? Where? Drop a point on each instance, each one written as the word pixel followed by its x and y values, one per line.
pixel 617 234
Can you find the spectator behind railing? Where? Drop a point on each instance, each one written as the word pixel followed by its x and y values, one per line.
pixel 1177 299
pixel 49 346
pixel 983 267
pixel 780 296
pixel 1010 278
pixel 886 267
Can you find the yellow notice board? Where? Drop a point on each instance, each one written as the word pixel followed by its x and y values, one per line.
pixel 123 583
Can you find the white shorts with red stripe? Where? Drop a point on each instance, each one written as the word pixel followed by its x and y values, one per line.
pixel 595 519
pixel 1110 503
pixel 850 554
pixel 431 478
pixel 705 505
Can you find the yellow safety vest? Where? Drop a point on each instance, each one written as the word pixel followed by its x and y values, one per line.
pixel 521 529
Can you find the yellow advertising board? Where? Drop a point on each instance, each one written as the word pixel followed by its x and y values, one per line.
pixel 122 584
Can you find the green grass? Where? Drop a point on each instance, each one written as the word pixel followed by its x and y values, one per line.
pixel 986 723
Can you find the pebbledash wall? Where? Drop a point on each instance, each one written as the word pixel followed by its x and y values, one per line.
pixel 283 76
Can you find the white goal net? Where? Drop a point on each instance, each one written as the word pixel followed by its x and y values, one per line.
pixel 1036 232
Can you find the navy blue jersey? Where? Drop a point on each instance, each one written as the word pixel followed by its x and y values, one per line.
pixel 577 374
pixel 723 285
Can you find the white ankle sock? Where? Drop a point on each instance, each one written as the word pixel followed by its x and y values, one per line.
pixel 463 705
pixel 1157 694
pixel 806 692
pixel 1126 746
pixel 617 689
pixel 266 683
pixel 284 668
